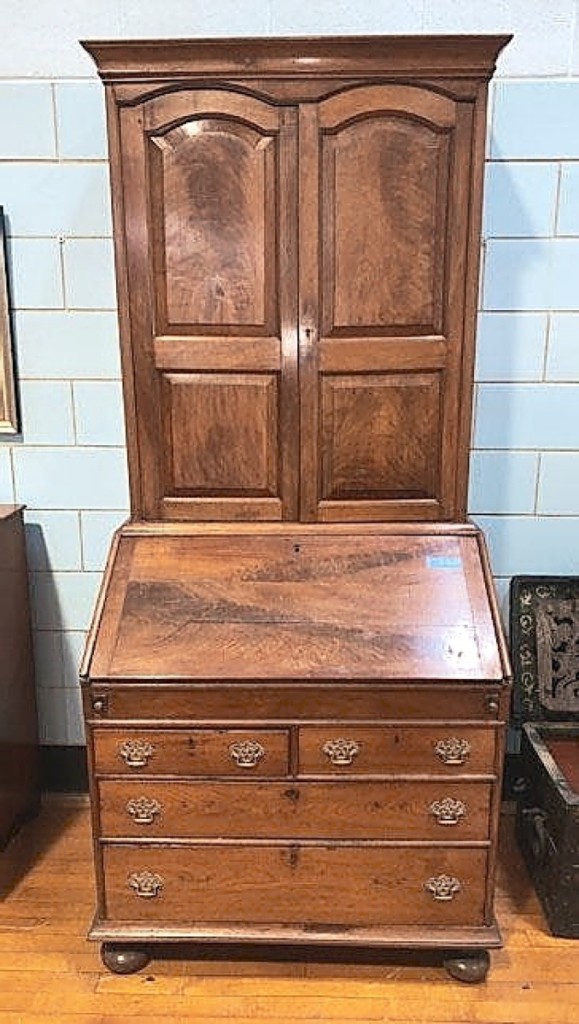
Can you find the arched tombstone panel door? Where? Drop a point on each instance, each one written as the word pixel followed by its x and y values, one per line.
pixel 210 224
pixel 384 173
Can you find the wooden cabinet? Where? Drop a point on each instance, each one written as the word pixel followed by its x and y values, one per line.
pixel 297 231
pixel 19 793
pixel 295 708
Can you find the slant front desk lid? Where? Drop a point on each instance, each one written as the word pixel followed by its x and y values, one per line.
pixel 294 602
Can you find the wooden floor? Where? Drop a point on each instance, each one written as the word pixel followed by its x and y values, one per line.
pixel 49 973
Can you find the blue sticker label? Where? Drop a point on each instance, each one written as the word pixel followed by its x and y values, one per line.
pixel 442 562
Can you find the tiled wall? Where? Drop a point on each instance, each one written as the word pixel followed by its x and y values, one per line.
pixel 69 467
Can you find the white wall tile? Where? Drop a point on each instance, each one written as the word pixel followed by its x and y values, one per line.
pixel 510 346
pixel 81 120
pixel 503 482
pixel 27 119
pixel 63 600
pixel 327 17
pixel 98 411
pixel 46 412
pixel 530 544
pixel 535 120
pixel 563 350
pixel 97 531
pixel 48 667
pixel 89 273
pixel 189 18
pixel 67 344
pixel 520 199
pixel 53 540
pixel 36 273
pixel 70 478
pixel 52 716
pixel 542 32
pixel 559 484
pixel 527 416
pixel 56 198
pixel 73 644
pixel 41 38
pixel 6 485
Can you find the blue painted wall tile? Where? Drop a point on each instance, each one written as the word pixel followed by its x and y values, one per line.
pixel 67 344
pixel 63 600
pixel 98 413
pixel 89 273
pixel 565 274
pixel 527 416
pixel 563 350
pixel 53 540
pixel 56 199
pixel 70 478
pixel 48 668
pixel 503 482
pixel 510 346
pixel 52 716
pixel 6 485
pixel 520 199
pixel 517 275
pixel 36 273
pixel 535 120
pixel 81 121
pixel 27 119
pixel 559 484
pixel 73 644
pixel 47 412
pixel 568 214
pixel 529 544
pixel 97 532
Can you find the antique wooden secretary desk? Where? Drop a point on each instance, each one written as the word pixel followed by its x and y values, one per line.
pixel 295 684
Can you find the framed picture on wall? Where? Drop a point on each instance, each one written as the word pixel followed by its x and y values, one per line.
pixel 8 405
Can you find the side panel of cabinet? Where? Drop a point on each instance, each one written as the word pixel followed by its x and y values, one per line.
pixel 210 224
pixel 385 174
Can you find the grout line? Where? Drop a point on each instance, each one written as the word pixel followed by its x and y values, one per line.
pixel 537 482
pixel 547 348
pixel 55 119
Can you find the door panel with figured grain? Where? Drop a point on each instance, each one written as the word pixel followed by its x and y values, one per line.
pixel 211 261
pixel 382 320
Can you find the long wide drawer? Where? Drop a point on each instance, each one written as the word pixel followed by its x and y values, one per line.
pixel 389 750
pixel 192 751
pixel 311 885
pixel 300 810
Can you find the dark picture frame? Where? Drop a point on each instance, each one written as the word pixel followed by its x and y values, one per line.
pixel 8 404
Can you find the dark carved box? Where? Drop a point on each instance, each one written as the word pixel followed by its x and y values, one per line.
pixel 545 649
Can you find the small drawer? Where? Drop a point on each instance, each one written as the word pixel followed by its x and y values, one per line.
pixel 299 810
pixel 305 886
pixel 390 750
pixel 262 752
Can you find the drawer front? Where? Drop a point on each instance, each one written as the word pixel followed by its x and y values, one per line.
pixel 389 750
pixel 295 885
pixel 293 702
pixel 192 751
pixel 306 810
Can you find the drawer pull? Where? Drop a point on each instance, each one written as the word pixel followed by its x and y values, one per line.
pixel 341 751
pixel 443 887
pixel 492 703
pixel 146 884
pixel 136 753
pixel 143 810
pixel 246 753
pixel 448 811
pixel 100 704
pixel 453 750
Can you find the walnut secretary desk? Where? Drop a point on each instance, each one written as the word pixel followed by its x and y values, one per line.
pixel 295 684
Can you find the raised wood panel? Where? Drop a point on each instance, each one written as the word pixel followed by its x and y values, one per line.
pixel 222 436
pixel 384 183
pixel 212 192
pixel 380 436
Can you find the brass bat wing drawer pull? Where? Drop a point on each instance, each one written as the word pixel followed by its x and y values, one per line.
pixel 246 753
pixel 443 887
pixel 453 750
pixel 143 809
pixel 341 751
pixel 136 753
pixel 145 884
